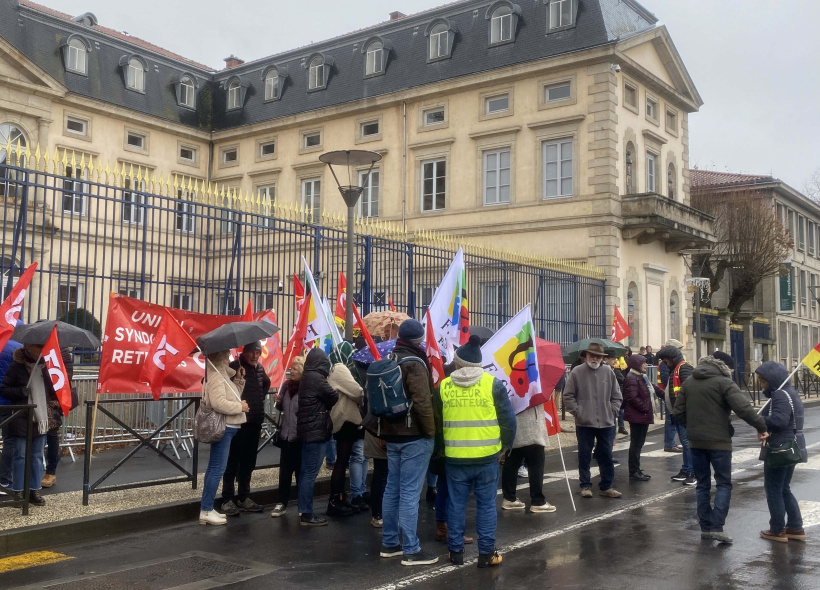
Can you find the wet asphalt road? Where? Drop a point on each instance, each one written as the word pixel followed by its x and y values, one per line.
pixel 648 539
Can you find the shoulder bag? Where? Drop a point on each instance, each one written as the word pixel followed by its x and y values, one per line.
pixel 787 454
pixel 209 425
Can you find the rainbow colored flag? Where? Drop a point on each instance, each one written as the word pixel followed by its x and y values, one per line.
pixel 319 318
pixel 448 308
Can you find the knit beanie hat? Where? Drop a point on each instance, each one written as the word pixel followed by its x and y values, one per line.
pixel 469 355
pixel 411 331
pixel 727 360
pixel 673 342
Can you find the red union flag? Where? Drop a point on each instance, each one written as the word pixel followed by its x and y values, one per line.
pixel 11 307
pixel 271 357
pixel 620 329
pixel 341 298
pixel 551 414
pixel 169 349
pixel 57 371
pixel 433 353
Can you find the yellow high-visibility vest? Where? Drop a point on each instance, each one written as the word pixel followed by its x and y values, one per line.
pixel 471 428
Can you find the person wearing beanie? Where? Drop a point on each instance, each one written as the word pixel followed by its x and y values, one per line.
pixel 477 429
pixel 704 405
pixel 670 429
pixel 679 371
pixel 726 359
pixel 409 443
pixel 242 454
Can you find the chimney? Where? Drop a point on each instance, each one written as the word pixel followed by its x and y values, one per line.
pixel 396 15
pixel 232 62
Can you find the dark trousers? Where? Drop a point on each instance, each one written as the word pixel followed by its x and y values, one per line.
pixel 241 462
pixel 337 478
pixel 290 463
pixel 377 484
pixel 711 518
pixel 52 451
pixel 637 438
pixel 780 499
pixel 602 439
pixel 533 455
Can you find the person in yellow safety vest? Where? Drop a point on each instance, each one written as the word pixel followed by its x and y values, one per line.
pixel 679 371
pixel 475 428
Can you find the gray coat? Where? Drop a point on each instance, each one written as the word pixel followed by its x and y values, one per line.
pixel 593 396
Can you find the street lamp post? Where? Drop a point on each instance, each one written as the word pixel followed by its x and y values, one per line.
pixel 352 160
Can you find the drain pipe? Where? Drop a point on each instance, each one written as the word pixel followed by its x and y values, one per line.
pixel 404 168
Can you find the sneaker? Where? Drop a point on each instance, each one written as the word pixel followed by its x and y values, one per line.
pixel 638 476
pixel 610 493
pixel 336 507
pixel 795 534
pixel 35 498
pixel 248 505
pixel 586 492
pixel 393 551
pixel 720 537
pixel 513 505
pixel 690 480
pixel 770 535
pixel 457 557
pixel 547 507
pixel 523 472
pixel 676 449
pixel 212 517
pixel 420 558
pixel 376 523
pixel 278 510
pixel 229 508
pixel 49 479
pixel 681 476
pixel 312 520
pixel 489 560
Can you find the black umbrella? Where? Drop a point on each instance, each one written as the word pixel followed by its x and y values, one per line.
pixel 482 332
pixel 234 335
pixel 68 335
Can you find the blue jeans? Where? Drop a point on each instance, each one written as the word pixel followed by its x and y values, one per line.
pixel 312 454
pixel 687 451
pixel 217 461
pixel 330 451
pixel 406 467
pixel 358 470
pixel 442 498
pixel 780 499
pixel 17 445
pixel 52 451
pixel 711 518
pixel 482 480
pixel 431 479
pixel 6 462
pixel 621 418
pixel 669 430
pixel 602 439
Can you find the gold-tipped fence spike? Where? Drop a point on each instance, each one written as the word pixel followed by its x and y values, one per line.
pixel 37 157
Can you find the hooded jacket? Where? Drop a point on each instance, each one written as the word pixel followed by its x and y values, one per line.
pixel 778 414
pixel 638 407
pixel 288 405
pixel 351 397
pixel 674 354
pixel 223 393
pixel 705 405
pixel 593 396
pixel 316 398
pixel 257 384
pixel 418 386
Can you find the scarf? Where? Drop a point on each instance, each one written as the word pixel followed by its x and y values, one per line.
pixel 37 396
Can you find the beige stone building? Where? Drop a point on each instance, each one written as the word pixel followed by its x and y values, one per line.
pixel 557 128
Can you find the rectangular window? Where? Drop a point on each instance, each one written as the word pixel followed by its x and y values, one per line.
pixel 133 203
pixel 631 95
pixel 188 154
pixel 790 223
pixel 311 200
pixel 369 201
pixel 803 288
pixel 433 185
pixel 128 290
pixel 267 195
pixel 76 58
pixel 801 232
pixel 136 76
pixel 69 297
pixel 375 59
pixel 672 120
pixel 497 104
pixel 434 117
pixel 77 126
pixel 182 300
pixel 317 75
pixel 439 44
pixel 370 128
pixel 780 214
pixel 73 189
pixel 313 140
pixel 501 28
pixel 234 96
pixel 228 220
pixel 267 149
pixel 229 156
pixel 424 297
pixel 812 291
pixel 810 233
pixel 559 305
pixel 558 169
pixel 497 176
pixel 262 301
pixel 560 13
pixel 557 92
pixel 494 306
pixel 651 108
pixel 651 171
pixel 184 212
pixel 136 140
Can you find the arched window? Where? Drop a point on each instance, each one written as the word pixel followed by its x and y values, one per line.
pixel 135 75
pixel 671 181
pixel 375 58
pixel 187 92
pixel 272 84
pixel 234 95
pixel 10 138
pixel 77 56
pixel 501 25
pixel 439 41
pixel 629 164
pixel 316 73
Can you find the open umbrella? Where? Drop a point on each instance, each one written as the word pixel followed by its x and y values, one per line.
pixel 68 335
pixel 482 332
pixel 385 347
pixel 551 368
pixel 234 335
pixel 378 323
pixel 572 352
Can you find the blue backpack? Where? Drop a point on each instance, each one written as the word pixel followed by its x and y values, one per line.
pixel 385 388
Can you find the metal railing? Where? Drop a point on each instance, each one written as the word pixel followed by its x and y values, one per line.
pixel 7 414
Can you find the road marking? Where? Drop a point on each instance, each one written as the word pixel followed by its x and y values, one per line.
pixel 26 560
pixel 810 511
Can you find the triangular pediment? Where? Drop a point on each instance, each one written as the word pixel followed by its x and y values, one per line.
pixel 17 69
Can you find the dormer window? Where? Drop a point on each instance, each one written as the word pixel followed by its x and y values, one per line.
pixel 503 16
pixel 234 95
pixel 134 69
pixel 272 85
pixel 318 67
pixel 560 14
pixel 441 36
pixel 77 56
pixel 186 92
pixel 375 58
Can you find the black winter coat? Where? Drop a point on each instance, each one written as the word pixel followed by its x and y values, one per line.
pixel 316 397
pixel 257 384
pixel 778 414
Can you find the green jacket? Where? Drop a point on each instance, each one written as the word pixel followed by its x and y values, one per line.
pixel 705 404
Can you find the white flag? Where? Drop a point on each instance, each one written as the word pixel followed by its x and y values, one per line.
pixel 318 326
pixel 448 308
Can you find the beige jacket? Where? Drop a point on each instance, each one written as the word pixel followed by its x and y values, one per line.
pixel 223 394
pixel 351 397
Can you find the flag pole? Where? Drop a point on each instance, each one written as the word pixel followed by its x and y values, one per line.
pixel 566 475
pixel 782 385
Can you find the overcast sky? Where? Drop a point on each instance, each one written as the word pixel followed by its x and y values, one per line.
pixel 756 63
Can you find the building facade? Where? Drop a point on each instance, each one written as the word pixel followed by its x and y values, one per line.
pixel 557 128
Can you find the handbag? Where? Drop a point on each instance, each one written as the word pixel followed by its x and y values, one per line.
pixel 784 455
pixel 276 437
pixel 209 425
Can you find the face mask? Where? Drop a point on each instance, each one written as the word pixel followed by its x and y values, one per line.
pixel 594 364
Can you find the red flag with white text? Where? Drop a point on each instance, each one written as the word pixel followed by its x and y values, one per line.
pixel 170 347
pixel 341 296
pixel 433 353
pixel 551 415
pixel 13 304
pixel 620 329
pixel 57 371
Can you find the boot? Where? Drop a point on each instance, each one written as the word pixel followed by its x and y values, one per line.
pixel 336 507
pixel 354 508
pixel 441 533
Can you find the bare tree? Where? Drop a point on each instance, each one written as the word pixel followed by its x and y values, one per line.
pixel 812 186
pixel 750 241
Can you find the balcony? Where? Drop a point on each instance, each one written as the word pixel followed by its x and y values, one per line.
pixel 711 326
pixel 650 217
pixel 762 331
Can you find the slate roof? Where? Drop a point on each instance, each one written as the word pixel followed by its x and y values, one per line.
pixel 699 179
pixel 38 32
